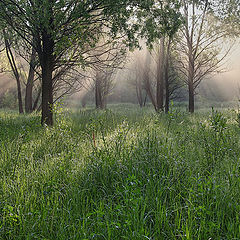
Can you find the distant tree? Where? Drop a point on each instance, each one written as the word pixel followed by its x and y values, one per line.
pixel 166 23
pixel 135 78
pixel 199 45
pixel 103 86
pixel 21 59
pixel 146 75
pixel 141 77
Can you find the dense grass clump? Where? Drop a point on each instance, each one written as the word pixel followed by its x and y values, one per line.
pixel 120 174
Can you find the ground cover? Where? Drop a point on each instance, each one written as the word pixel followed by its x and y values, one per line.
pixel 123 173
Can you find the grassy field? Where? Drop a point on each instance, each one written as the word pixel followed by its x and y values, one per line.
pixel 125 173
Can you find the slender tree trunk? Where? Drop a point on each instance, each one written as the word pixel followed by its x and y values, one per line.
pixel 167 94
pixel 160 77
pixel 145 100
pixel 37 99
pixel 166 87
pixel 20 103
pixel 29 87
pixel 191 81
pixel 98 96
pixel 191 97
pixel 14 68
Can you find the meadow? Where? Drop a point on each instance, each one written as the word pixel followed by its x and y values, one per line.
pixel 122 173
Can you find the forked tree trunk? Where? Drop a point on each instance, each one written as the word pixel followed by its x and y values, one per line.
pixel 160 77
pixel 29 87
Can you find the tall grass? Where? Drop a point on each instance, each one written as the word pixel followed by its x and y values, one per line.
pixel 125 173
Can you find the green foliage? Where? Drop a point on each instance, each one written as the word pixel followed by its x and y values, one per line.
pixel 133 184
pixel 81 23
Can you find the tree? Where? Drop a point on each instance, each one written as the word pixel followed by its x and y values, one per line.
pixel 138 76
pixel 22 59
pixel 147 76
pixel 198 45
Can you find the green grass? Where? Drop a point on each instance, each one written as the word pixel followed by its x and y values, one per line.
pixel 125 173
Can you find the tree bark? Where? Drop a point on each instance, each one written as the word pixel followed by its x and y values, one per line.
pixel 160 77
pixel 29 86
pixel 191 97
pixel 47 64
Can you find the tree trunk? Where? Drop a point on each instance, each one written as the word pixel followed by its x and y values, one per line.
pixel 29 87
pixel 47 93
pixel 20 103
pixel 160 77
pixel 167 94
pixel 15 72
pixel 191 68
pixel 97 93
pixel 37 99
pixel 145 100
pixel 47 64
pixel 166 87
pixel 98 96
pixel 191 97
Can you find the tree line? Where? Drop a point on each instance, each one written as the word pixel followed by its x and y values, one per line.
pixel 68 44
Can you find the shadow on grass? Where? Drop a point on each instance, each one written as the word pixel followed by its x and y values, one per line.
pixel 12 125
